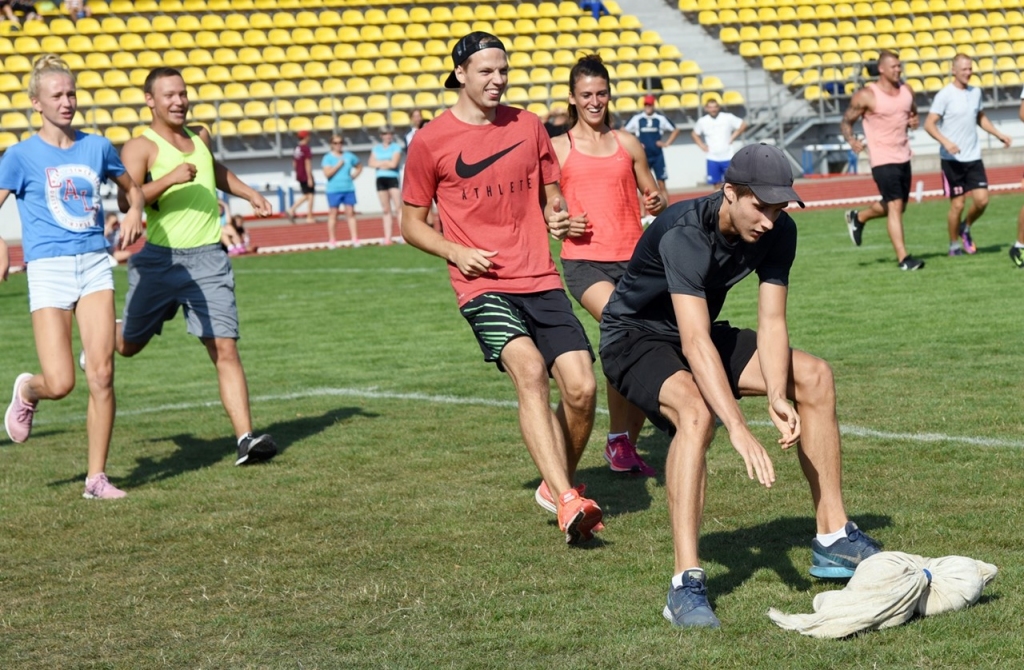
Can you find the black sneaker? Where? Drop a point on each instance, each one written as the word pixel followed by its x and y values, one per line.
pixel 855 227
pixel 1017 256
pixel 687 606
pixel 255 449
pixel 910 263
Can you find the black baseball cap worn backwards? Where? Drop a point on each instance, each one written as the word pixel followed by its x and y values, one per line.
pixel 766 171
pixel 466 47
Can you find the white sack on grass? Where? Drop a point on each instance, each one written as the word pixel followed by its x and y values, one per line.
pixel 888 589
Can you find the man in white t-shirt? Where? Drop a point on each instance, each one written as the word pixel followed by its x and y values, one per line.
pixel 714 133
pixel 952 120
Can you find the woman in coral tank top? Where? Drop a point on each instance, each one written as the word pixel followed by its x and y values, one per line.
pixel 602 169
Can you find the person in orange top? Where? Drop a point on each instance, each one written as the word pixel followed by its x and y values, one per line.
pixel 602 170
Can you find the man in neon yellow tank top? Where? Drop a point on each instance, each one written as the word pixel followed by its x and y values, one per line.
pixel 888 109
pixel 183 263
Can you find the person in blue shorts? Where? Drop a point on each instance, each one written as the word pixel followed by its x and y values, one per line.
pixel 341 167
pixel 715 133
pixel 386 158
pixel 55 176
pixel 650 126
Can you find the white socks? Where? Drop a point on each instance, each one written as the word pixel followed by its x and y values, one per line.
pixel 829 539
pixel 677 580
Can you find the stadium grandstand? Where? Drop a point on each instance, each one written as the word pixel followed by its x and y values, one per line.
pixel 258 70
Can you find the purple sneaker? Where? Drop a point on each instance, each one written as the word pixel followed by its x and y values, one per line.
pixel 18 418
pixel 965 238
pixel 622 457
pixel 100 487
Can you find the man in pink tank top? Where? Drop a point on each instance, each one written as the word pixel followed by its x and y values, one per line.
pixel 888 110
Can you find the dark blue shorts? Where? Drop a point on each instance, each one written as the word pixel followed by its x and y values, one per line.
pixel 341 198
pixel 657 164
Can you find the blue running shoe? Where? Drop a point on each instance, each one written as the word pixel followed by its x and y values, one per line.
pixel 840 559
pixel 688 605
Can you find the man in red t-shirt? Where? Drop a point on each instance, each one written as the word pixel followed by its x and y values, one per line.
pixel 494 175
pixel 302 161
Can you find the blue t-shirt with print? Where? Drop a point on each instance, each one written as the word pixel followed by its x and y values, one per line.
pixel 342 181
pixel 58 193
pixel 387 153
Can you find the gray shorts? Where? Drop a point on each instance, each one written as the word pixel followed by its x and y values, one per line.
pixel 200 280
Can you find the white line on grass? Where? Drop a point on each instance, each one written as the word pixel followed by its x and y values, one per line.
pixel 373 393
pixel 309 271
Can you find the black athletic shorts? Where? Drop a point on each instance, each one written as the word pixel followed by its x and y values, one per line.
pixel 959 179
pixel 638 363
pixel 306 188
pixel 546 318
pixel 386 183
pixel 581 275
pixel 893 181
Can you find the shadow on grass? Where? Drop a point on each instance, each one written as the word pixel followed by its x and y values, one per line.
pixel 744 551
pixel 195 453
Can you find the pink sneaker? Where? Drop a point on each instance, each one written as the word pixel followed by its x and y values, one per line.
pixel 622 457
pixel 100 487
pixel 19 415
pixel 547 501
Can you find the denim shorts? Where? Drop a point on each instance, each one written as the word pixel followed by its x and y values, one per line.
pixel 62 281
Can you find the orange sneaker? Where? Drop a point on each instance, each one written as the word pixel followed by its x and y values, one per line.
pixel 546 500
pixel 579 518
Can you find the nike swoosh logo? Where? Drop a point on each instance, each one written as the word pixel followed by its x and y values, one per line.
pixel 467 170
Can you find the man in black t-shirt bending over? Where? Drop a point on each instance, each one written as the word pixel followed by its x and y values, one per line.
pixel 663 350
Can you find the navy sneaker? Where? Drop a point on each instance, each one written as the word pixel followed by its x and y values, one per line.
pixel 255 449
pixel 688 606
pixel 841 558
pixel 855 227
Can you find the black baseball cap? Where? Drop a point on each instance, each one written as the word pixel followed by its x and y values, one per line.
pixel 765 169
pixel 466 47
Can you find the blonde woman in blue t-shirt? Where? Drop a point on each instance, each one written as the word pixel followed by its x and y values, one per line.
pixel 55 176
pixel 386 158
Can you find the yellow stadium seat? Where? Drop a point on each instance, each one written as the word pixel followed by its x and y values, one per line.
pixel 274 126
pixel 98 116
pixel 89 79
pixel 125 116
pixel 181 40
pixel 14 121
pixel 235 91
pixel 249 127
pixel 374 120
pixel 117 134
pixel 194 75
pixel 204 111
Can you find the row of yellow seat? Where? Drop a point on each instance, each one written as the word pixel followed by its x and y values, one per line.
pixel 962 32
pixel 648 44
pixel 839 52
pixel 848 8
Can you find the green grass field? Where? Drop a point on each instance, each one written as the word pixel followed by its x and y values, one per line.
pixel 397 526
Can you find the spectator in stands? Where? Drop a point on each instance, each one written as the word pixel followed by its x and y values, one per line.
pixel 55 175
pixel 385 158
pixel 11 9
pixel 77 9
pixel 595 7
pixel 649 126
pixel 557 122
pixel 603 170
pixel 416 122
pixel 112 232
pixel 952 120
pixel 341 167
pixel 888 109
pixel 302 162
pixel 714 133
